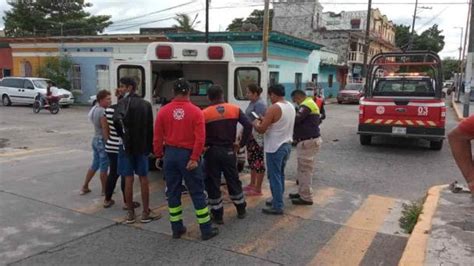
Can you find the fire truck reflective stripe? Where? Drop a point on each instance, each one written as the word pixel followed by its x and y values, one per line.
pixel 388 122
pixel 379 121
pixel 399 123
pixel 377 103
pixel 368 121
pixel 441 104
pixel 420 123
pixel 409 122
pixel 431 123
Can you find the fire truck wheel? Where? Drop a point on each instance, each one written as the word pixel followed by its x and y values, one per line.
pixel 365 139
pixel 436 145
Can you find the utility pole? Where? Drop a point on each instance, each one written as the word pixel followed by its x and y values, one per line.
pixel 459 79
pixel 412 35
pixel 367 41
pixel 470 55
pixel 207 20
pixel 266 27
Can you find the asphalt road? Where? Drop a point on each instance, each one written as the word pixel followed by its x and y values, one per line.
pixel 359 191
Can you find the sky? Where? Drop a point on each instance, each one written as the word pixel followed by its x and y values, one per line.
pixel 130 15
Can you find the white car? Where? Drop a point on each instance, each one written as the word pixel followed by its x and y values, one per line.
pixel 93 100
pixel 23 90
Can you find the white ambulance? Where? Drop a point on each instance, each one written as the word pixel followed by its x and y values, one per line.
pixel 202 64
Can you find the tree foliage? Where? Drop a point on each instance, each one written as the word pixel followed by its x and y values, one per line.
pixel 51 18
pixel 184 22
pixel 450 66
pixel 430 39
pixel 255 18
pixel 57 69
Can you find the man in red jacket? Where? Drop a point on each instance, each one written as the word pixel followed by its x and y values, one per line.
pixel 180 128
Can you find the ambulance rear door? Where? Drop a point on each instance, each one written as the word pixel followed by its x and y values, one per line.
pixel 139 70
pixel 242 74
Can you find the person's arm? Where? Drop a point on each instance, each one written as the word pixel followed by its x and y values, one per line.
pixel 105 127
pixel 247 125
pixel 149 124
pixel 269 118
pixel 323 111
pixel 302 113
pixel 119 115
pixel 460 143
pixel 158 138
pixel 199 137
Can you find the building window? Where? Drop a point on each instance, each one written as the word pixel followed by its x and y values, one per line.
pixel 274 78
pixel 102 74
pixel 26 69
pixel 76 77
pixel 314 78
pixel 355 23
pixel 298 80
pixel 330 80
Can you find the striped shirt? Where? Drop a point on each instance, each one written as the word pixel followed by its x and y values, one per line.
pixel 113 143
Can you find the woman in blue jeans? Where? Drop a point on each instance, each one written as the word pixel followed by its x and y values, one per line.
pixel 277 125
pixel 100 159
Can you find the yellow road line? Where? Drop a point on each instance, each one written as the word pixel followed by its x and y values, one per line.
pixel 350 244
pixel 265 242
pixel 24 152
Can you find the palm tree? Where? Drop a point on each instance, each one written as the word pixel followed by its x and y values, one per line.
pixel 185 23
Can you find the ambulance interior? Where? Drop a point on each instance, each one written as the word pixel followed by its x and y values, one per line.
pixel 200 75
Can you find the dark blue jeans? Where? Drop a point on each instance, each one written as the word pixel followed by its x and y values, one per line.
pixel 276 163
pixel 174 167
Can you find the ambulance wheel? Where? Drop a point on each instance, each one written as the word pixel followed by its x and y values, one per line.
pixel 365 140
pixel 436 145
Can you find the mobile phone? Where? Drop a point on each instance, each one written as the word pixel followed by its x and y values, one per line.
pixel 256 116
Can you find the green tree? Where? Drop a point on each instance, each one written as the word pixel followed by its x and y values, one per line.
pixel 430 39
pixel 450 66
pixel 256 18
pixel 52 18
pixel 184 22
pixel 57 69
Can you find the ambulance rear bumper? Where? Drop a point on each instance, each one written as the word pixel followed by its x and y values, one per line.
pixel 433 133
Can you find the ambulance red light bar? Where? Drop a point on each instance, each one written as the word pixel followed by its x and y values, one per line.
pixel 164 52
pixel 215 52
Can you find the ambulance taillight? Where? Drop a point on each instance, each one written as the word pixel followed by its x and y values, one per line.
pixel 164 52
pixel 215 52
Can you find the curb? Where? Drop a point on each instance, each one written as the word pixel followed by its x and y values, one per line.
pixel 458 113
pixel 414 253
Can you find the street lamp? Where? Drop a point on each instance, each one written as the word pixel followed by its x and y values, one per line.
pixel 459 79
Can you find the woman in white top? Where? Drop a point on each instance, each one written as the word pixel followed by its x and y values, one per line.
pixel 277 125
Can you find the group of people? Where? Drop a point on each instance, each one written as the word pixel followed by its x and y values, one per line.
pixel 198 147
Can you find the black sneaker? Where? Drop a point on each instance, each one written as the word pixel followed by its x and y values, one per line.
pixel 214 232
pixel 177 235
pixel 241 213
pixel 300 201
pixel 130 217
pixel 269 202
pixel 272 211
pixel 294 196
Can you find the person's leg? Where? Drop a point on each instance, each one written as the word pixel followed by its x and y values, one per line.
pixel 234 185
pixel 212 170
pixel 251 161
pixel 274 163
pixel 104 164
pixel 285 153
pixel 195 182
pixel 141 167
pixel 125 169
pixel 259 166
pixel 93 169
pixel 173 178
pixel 306 154
pixel 462 152
pixel 112 177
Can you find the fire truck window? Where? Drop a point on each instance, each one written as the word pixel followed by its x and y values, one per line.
pixel 245 76
pixel 421 88
pixel 135 72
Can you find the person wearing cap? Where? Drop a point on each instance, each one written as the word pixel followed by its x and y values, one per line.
pixel 180 127
pixel 221 153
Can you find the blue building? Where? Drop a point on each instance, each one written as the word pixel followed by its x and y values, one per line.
pixel 293 62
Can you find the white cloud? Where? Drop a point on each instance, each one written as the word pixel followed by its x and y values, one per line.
pixel 446 16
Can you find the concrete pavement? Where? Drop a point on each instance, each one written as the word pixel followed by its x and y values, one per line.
pixel 358 196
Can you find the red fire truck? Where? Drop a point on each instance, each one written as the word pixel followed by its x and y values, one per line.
pixel 403 98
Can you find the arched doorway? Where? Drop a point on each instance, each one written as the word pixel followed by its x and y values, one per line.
pixel 26 69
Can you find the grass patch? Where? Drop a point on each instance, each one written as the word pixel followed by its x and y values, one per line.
pixel 410 214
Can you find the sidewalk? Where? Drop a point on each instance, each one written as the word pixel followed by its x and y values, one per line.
pixel 459 107
pixel 444 234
